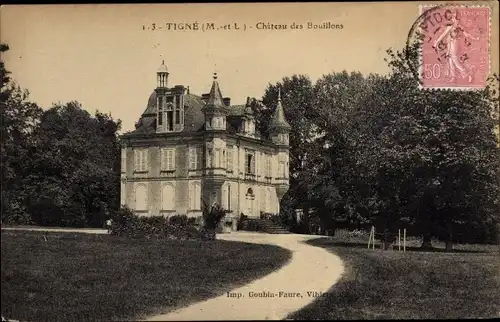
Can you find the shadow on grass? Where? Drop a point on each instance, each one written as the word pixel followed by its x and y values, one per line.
pixel 59 276
pixel 325 241
pixel 412 285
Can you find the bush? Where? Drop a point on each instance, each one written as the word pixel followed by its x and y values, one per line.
pixel 178 220
pixel 212 216
pixel 126 223
pixel 248 225
pixel 242 221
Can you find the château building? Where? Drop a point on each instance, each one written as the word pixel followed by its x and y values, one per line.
pixel 189 149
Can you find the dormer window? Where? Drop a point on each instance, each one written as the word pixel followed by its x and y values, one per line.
pixel 169 108
pixel 170 113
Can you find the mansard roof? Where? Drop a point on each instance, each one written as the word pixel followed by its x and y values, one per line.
pixel 193 115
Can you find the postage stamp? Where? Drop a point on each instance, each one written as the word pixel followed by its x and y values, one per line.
pixel 454 47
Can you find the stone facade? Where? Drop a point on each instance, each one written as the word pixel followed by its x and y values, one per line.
pixel 188 149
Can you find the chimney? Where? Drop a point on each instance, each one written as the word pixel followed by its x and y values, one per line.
pixel 227 101
pixel 204 97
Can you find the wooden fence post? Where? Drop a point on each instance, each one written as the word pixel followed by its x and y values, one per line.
pixel 399 239
pixel 404 240
pixel 373 247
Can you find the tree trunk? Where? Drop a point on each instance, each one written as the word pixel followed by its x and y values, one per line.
pixel 426 243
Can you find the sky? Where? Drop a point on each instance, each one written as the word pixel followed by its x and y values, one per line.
pixel 103 57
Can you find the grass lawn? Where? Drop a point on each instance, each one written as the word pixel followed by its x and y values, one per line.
pixel 410 285
pixel 83 277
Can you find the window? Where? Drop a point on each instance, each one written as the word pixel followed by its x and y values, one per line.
pixel 141 198
pixel 250 163
pixel 168 197
pixel 218 158
pixel 177 117
pixel 170 117
pixel 282 169
pixel 209 158
pixel 229 156
pixel 141 159
pixel 167 159
pixel 177 102
pixel 124 160
pixel 195 196
pixel 195 158
pixel 160 110
pixel 268 165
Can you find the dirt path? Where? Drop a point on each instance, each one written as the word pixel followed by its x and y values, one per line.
pixel 311 270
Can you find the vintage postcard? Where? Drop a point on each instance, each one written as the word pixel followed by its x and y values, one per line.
pixel 250 161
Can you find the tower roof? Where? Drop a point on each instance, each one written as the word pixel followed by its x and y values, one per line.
pixel 215 99
pixel 279 121
pixel 163 68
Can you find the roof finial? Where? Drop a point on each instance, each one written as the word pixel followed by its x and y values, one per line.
pixel 279 94
pixel 163 62
pixel 215 76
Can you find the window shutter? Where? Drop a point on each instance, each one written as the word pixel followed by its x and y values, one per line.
pixel 162 159
pixel 170 159
pixel 229 160
pixel 253 165
pixel 144 159
pixel 198 197
pixel 141 160
pixel 199 154
pixel 173 159
pixel 137 160
pixel 124 160
pixel 190 192
pixel 192 160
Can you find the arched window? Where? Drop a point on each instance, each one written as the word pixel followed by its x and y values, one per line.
pixel 195 196
pixel 168 197
pixel 141 198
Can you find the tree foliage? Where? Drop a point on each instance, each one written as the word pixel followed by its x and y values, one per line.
pixel 59 166
pixel 379 150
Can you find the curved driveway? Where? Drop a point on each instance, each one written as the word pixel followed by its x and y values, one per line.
pixel 311 271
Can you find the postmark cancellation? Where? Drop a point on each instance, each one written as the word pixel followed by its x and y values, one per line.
pixel 454 46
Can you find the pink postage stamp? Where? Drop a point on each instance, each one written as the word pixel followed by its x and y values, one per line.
pixel 455 47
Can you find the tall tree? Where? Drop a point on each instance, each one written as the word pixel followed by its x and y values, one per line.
pixel 19 121
pixel 439 151
pixel 298 102
pixel 76 177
